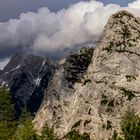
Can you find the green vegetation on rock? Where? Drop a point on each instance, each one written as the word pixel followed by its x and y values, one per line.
pixel 129 94
pixel 22 128
pixel 77 64
pixel 130 127
pixel 74 135
pixel 11 128
pixel 48 133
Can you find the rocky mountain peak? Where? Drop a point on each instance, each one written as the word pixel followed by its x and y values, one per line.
pixel 109 86
pixel 122 17
pixel 27 76
pixel 121 33
pixel 121 14
pixel 14 62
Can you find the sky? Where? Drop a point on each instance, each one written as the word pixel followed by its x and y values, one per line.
pixel 47 26
pixel 13 8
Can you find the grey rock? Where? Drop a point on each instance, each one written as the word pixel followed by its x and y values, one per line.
pixel 106 88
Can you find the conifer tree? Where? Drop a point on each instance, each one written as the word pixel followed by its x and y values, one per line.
pixel 7 123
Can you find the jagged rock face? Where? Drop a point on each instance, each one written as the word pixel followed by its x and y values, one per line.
pixel 27 77
pixel 60 101
pixel 110 85
pixel 76 65
pixel 1 72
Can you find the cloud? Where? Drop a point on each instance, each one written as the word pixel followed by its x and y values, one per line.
pixel 135 4
pixel 3 63
pixel 52 32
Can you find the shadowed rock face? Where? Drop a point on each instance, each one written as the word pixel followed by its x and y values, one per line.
pixel 76 65
pixel 46 74
pixel 99 96
pixel 72 71
pixel 27 77
pixel 1 72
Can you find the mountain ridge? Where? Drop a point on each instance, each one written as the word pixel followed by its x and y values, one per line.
pixel 27 76
pixel 86 92
pixel 109 87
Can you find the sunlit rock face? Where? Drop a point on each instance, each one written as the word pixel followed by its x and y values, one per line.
pixel 27 77
pixel 91 95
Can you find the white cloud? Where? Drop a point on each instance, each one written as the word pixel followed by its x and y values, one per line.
pixel 135 4
pixel 3 63
pixel 47 31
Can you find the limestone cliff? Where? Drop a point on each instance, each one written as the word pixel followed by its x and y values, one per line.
pixel 90 94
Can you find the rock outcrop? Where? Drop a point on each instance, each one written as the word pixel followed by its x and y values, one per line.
pixel 1 72
pixel 92 97
pixel 27 77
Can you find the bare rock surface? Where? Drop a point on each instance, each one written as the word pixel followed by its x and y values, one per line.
pixel 94 100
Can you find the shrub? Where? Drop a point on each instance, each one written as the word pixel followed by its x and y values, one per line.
pixel 48 133
pixel 25 131
pixel 130 126
pixel 74 135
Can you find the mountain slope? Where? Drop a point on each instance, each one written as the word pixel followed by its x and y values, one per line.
pixel 27 77
pixel 109 85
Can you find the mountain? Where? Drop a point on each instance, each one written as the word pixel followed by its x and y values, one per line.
pixel 27 76
pixel 92 89
pixel 0 72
